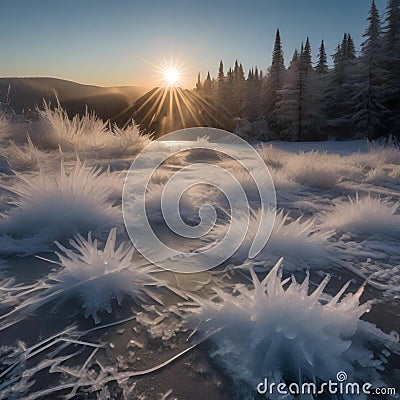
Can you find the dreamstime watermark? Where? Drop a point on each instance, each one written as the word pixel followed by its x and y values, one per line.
pixel 339 386
pixel 193 166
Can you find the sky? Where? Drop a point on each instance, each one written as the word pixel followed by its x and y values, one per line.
pixel 121 42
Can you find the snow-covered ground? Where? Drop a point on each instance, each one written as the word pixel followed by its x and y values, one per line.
pixel 84 315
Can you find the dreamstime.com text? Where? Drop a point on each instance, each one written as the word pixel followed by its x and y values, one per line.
pixel 340 386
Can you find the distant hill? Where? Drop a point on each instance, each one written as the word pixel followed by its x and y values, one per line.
pixel 23 94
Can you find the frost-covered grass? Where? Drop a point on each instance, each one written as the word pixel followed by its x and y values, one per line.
pixel 377 159
pixel 86 134
pixel 48 208
pixel 299 241
pixel 5 124
pixel 23 158
pixel 282 330
pixel 370 216
pixel 128 141
pixel 282 181
pixel 316 170
pixel 388 154
pixel 383 175
pixel 271 156
pixel 56 129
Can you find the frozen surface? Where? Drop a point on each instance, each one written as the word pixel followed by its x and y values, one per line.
pixel 92 317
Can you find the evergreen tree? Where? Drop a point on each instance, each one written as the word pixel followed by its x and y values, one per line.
pixel 305 58
pixel 392 29
pixel 371 46
pixel 274 79
pixel 278 63
pixel 370 91
pixel 199 86
pixel 360 94
pixel 350 49
pixel 340 90
pixel 256 93
pixel 252 106
pixel 288 108
pixel 322 66
pixel 344 47
pixel 239 89
pixel 229 103
pixel 221 84
pixel 295 59
pixel 391 37
pixel 207 85
pixel 297 112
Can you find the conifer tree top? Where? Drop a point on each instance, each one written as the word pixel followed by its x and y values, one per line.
pixel 278 63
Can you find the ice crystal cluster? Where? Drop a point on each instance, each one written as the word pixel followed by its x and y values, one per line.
pixel 283 330
pixel 55 207
pixel 98 276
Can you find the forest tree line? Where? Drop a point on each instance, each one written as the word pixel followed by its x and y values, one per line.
pixel 358 97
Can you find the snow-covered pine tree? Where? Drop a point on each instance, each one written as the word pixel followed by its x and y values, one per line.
pixel 391 37
pixel 256 93
pixel 320 82
pixel 305 57
pixel 229 92
pixel 340 103
pixel 349 48
pixel 239 89
pixel 221 92
pixel 392 29
pixel 207 85
pixel 297 112
pixel 322 66
pixel 273 81
pixel 248 106
pixel 252 106
pixel 199 86
pixel 310 97
pixel 371 86
pixel 288 108
pixel 223 102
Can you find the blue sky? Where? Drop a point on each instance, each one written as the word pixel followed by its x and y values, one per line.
pixel 123 42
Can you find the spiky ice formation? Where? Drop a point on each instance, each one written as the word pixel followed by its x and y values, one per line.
pixel 278 330
pixel 300 242
pixel 99 276
pixel 96 276
pixel 49 208
pixel 366 216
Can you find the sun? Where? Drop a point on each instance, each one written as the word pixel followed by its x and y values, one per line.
pixel 171 76
pixel 171 72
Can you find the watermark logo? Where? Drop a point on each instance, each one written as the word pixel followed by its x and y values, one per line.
pixel 341 376
pixel 339 386
pixel 180 161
